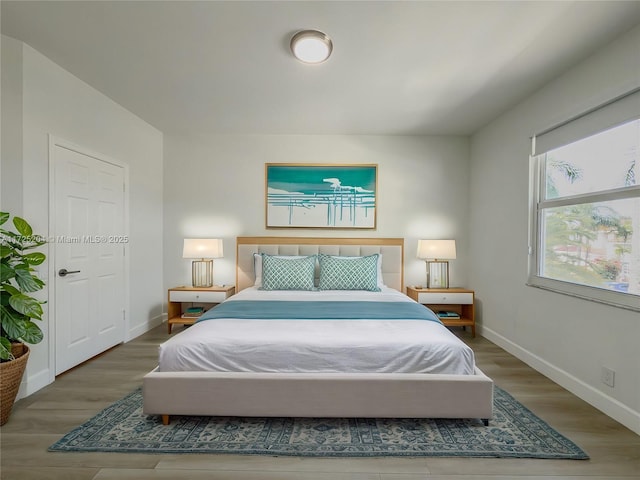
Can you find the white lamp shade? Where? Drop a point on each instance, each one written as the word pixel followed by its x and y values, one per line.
pixel 437 249
pixel 202 248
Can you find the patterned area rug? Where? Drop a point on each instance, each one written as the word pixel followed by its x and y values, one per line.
pixel 514 432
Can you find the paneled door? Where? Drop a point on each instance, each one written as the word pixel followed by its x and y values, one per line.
pixel 89 255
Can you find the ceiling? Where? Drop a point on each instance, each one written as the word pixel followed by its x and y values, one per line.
pixel 398 67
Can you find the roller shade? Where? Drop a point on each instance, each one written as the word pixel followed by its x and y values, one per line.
pixel 616 112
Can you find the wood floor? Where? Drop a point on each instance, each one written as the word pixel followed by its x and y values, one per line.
pixel 41 419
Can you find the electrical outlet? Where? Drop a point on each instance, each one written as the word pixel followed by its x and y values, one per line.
pixel 608 376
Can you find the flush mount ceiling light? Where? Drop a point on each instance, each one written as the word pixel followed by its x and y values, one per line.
pixel 311 46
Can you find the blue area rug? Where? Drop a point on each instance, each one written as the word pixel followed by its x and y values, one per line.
pixel 514 432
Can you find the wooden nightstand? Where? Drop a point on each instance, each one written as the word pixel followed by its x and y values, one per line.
pixel 198 296
pixel 459 300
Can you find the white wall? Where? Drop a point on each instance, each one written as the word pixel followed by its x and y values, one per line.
pixel 567 339
pixel 55 102
pixel 11 119
pixel 215 186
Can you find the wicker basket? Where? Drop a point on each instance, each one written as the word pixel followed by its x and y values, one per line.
pixel 10 378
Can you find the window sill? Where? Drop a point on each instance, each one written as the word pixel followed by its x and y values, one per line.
pixel 611 298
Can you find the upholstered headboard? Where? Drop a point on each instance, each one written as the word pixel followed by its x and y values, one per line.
pixel 392 250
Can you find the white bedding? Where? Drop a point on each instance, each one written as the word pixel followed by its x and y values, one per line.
pixel 359 346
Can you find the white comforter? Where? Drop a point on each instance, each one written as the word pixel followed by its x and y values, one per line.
pixel 362 346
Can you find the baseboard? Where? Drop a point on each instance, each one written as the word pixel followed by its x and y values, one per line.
pixel 145 327
pixel 609 406
pixel 32 383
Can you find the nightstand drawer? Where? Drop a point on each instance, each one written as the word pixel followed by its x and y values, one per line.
pixel 197 296
pixel 445 298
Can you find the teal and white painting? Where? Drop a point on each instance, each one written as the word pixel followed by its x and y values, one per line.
pixel 321 195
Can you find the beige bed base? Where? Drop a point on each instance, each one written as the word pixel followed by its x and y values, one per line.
pixel 372 395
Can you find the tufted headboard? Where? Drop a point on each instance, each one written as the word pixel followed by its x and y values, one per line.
pixel 392 250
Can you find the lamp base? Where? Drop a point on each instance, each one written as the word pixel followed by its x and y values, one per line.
pixel 202 273
pixel 438 274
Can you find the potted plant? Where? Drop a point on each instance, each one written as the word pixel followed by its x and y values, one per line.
pixel 17 307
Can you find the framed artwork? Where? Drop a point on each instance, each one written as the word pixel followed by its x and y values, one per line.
pixel 312 195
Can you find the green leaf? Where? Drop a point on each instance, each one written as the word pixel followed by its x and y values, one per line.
pixel 6 272
pixel 26 305
pixel 11 289
pixel 4 216
pixel 5 251
pixel 28 282
pixel 7 233
pixel 5 349
pixel 35 258
pixel 39 282
pixel 12 324
pixel 22 226
pixel 32 333
pixel 4 298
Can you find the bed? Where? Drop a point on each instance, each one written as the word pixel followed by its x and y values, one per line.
pixel 393 360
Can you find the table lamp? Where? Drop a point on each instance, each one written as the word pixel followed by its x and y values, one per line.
pixel 436 253
pixel 204 249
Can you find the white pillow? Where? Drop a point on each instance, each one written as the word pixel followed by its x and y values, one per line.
pixel 257 265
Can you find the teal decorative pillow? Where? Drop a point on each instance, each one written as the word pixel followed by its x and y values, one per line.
pixel 349 273
pixel 287 273
pixel 257 265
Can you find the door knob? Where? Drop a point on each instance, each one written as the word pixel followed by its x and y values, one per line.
pixel 63 272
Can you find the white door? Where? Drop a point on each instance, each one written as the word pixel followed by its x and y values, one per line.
pixel 89 256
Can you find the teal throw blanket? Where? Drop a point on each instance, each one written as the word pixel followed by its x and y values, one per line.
pixel 319 310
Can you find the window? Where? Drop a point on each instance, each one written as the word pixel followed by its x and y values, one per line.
pixel 585 221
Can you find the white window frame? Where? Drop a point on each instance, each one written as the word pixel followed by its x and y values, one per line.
pixel 537 206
